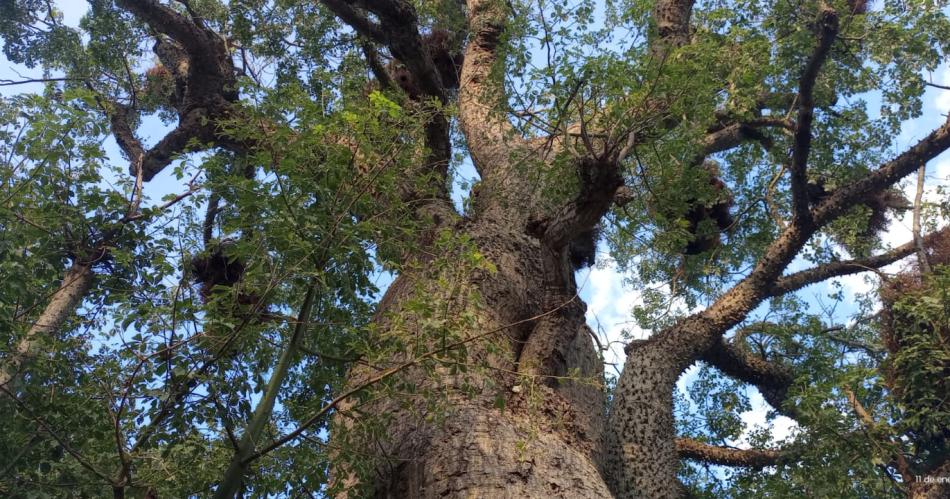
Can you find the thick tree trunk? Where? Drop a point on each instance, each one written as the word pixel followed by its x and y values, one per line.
pixel 545 441
pixel 641 428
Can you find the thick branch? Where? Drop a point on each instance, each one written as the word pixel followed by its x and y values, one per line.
pixel 482 99
pixel 642 399
pixel 356 20
pixel 672 23
pixel 689 448
pixel 210 86
pixel 125 137
pixel 194 125
pixel 773 380
pixel 207 50
pixel 843 198
pixel 375 65
pixel 730 136
pixel 827 27
pixel 165 20
pixel 599 182
pixel 599 167
pixel 735 304
pixel 600 173
pixel 872 350
pixel 398 29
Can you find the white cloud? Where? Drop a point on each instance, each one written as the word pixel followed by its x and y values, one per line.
pixel 782 427
pixel 855 284
pixel 609 308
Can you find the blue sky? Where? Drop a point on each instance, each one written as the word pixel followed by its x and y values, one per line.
pixel 609 301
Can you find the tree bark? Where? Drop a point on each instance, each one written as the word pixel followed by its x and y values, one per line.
pixel 76 282
pixel 545 440
pixel 528 417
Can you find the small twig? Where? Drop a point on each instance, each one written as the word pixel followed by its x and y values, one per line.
pixel 9 83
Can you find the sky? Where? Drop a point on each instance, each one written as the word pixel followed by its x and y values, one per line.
pixel 609 302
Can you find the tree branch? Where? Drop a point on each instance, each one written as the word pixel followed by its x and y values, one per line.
pixel 599 169
pixel 871 429
pixel 77 280
pixel 4 82
pixel 356 20
pixel 599 181
pixel 773 380
pixel 234 475
pixel 482 99
pixel 872 350
pixel 922 259
pixel 764 281
pixel 843 198
pixel 827 27
pixel 375 65
pixel 205 48
pixel 725 137
pixel 642 391
pixel 398 29
pixel 210 86
pixel 197 124
pixel 803 278
pixel 672 23
pixel 689 448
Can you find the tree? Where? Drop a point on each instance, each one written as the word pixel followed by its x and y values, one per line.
pixel 227 338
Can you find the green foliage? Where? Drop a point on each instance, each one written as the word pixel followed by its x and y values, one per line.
pixel 918 372
pixel 170 375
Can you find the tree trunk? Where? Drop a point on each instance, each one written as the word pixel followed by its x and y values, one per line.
pixel 545 440
pixel 62 304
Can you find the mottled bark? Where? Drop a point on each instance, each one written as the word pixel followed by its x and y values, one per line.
pixel 546 439
pixel 526 238
pixel 750 458
pixel 641 451
pixel 551 436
